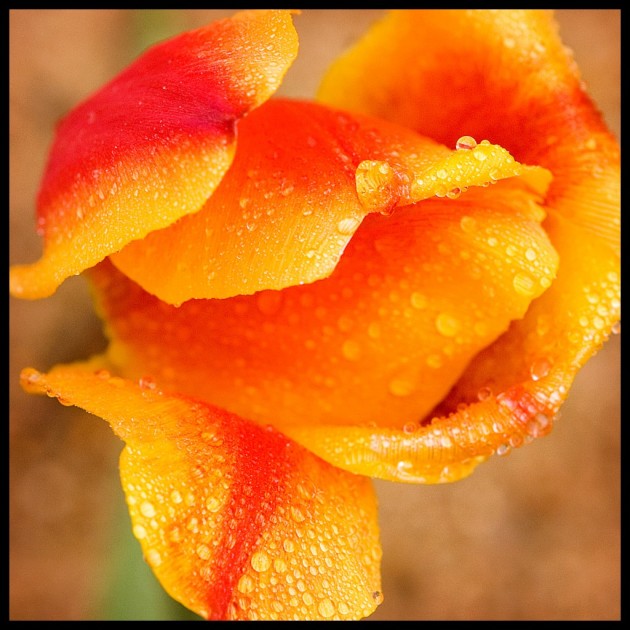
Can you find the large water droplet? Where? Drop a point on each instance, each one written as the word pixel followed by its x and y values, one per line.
pixel 447 324
pixel 139 532
pixel 326 608
pixel 147 509
pixel 260 561
pixel 465 143
pixel 246 583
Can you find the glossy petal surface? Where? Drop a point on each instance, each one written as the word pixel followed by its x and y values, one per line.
pixel 379 343
pixel 443 73
pixel 236 520
pixel 303 178
pixel 152 145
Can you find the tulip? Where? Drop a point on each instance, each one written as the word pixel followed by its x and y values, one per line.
pixel 396 280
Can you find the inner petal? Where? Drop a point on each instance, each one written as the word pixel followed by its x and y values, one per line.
pixel 303 178
pixel 415 296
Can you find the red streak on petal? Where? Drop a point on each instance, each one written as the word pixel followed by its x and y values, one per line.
pixel 260 473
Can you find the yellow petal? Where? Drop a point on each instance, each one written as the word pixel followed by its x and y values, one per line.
pixel 236 520
pixel 152 145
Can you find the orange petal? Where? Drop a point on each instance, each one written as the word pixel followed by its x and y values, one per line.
pixel 152 145
pixel 505 76
pixel 381 341
pixel 236 520
pixel 303 178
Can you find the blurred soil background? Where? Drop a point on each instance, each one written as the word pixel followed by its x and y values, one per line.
pixel 531 536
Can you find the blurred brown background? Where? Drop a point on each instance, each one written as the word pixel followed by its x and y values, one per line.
pixel 535 535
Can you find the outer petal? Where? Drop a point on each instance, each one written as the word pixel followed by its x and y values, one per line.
pixel 152 145
pixel 236 520
pixel 450 70
pixel 303 178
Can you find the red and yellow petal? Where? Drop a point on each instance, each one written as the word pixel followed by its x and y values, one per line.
pixel 236 520
pixel 303 178
pixel 503 75
pixel 152 145
pixel 379 343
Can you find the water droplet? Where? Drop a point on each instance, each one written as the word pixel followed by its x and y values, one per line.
pixel 468 224
pixel 403 467
pixel 410 427
pixel 286 189
pixel 246 583
pixel 503 449
pixel 176 497
pixel 279 565
pixel 401 387
pixel 260 561
pixel 326 608
pixel 484 393
pixel 447 324
pixel 530 254
pixel 296 514
pixel 347 225
pixel 147 509
pixel 30 378
pixel 466 143
pixel 540 368
pixel 213 504
pixel 616 328
pixel 139 532
pixel 203 551
pixel 434 361
pixel 598 322
pixel 536 426
pixel 454 193
pixel 288 545
pixel 418 300
pixel 523 285
pixel 374 330
pixel 154 558
pixel 378 186
pixel 377 596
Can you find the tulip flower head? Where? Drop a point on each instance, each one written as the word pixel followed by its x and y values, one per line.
pixel 396 279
